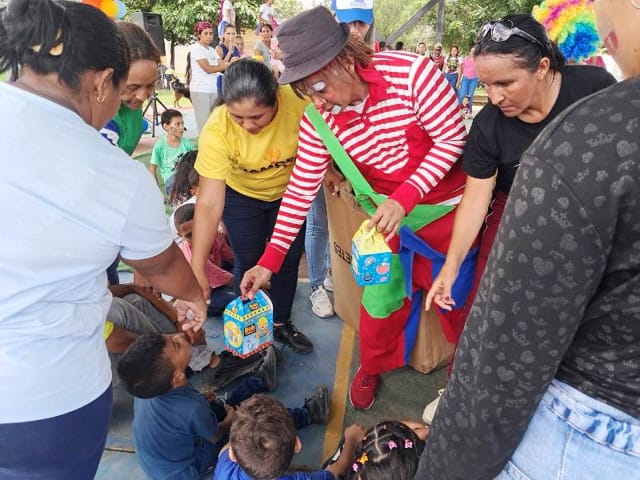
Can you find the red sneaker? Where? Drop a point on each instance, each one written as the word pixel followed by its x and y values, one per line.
pixel 362 393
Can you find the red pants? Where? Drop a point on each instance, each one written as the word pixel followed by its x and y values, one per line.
pixel 382 340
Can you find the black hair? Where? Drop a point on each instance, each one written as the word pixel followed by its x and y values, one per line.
pixel 141 47
pixel 168 115
pixel 382 44
pixel 527 54
pixel 249 79
pixel 263 437
pixel 266 25
pixel 389 449
pixel 399 45
pixel 144 370
pixel 184 214
pixel 186 177
pixel 62 37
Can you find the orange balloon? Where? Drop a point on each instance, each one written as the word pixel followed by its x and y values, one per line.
pixel 109 7
pixel 93 3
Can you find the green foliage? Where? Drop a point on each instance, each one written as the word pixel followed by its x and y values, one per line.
pixel 179 16
pixel 287 9
pixel 462 20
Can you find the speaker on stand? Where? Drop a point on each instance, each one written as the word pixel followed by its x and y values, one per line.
pixel 152 24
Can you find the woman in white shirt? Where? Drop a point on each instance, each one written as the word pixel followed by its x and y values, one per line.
pixel 227 16
pixel 206 65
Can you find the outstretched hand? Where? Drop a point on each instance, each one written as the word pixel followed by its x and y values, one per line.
pixel 191 315
pixel 440 291
pixel 254 279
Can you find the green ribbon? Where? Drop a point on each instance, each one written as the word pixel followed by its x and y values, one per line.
pixel 366 196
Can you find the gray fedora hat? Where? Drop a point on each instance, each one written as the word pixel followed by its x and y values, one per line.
pixel 309 41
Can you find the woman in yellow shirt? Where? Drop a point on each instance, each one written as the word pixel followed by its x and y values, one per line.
pixel 246 154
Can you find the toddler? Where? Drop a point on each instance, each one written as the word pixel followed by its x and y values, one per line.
pixel 220 280
pixel 168 149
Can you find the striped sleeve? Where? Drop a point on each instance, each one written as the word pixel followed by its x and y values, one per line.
pixel 436 107
pixel 306 178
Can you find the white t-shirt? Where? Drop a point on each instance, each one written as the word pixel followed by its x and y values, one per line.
pixel 267 12
pixel 202 81
pixel 71 202
pixel 227 5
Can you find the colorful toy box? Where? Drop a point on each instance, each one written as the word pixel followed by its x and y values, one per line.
pixel 370 257
pixel 248 325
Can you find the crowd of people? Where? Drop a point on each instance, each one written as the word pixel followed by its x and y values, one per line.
pixel 523 233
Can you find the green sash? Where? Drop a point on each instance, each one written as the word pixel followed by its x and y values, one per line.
pixel 366 196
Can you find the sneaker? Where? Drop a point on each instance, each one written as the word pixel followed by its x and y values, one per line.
pixel 328 283
pixel 336 455
pixel 362 393
pixel 267 371
pixel 318 406
pixel 320 302
pixel 430 410
pixel 230 368
pixel 289 335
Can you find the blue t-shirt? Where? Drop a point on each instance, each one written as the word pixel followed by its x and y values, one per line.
pixel 172 434
pixel 227 469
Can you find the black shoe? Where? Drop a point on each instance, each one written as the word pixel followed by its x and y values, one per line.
pixel 291 336
pixel 318 406
pixel 230 368
pixel 267 371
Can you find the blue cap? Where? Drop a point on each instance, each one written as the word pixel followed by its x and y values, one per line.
pixel 348 11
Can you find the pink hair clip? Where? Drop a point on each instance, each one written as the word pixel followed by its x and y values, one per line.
pixel 408 443
pixel 392 445
pixel 355 467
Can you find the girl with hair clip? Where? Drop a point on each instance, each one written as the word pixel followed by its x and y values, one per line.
pixel 79 203
pixel 389 450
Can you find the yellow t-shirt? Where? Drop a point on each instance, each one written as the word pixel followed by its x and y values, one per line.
pixel 259 165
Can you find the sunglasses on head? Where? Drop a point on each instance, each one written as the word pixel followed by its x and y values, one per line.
pixel 503 30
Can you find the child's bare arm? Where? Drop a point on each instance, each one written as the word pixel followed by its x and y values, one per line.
pixel 352 437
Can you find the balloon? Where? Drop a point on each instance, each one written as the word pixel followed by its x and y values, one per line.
pixel 109 7
pixel 93 3
pixel 122 10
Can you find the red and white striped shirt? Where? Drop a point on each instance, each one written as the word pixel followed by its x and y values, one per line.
pixel 406 142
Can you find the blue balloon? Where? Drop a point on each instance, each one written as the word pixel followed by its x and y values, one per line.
pixel 122 10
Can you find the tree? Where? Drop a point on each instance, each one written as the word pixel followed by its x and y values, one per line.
pixel 288 8
pixel 179 17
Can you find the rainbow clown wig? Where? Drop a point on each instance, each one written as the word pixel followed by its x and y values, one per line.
pixel 571 24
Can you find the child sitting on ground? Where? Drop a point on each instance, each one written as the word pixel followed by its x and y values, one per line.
pixel 389 450
pixel 466 109
pixel 177 430
pixel 220 280
pixel 262 443
pixel 168 149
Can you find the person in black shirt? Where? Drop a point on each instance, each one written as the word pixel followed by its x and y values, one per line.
pixel 528 85
pixel 546 381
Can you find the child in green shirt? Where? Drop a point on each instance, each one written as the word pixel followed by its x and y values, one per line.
pixel 169 148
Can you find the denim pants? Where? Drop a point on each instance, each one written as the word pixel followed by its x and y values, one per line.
pixel 249 224
pixel 68 446
pixel 219 299
pixel 573 436
pixel 452 78
pixel 316 242
pixel 467 89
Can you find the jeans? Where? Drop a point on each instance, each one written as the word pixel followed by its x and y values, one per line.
pixel 452 78
pixel 467 89
pixel 169 183
pixel 113 277
pixel 573 436
pixel 249 223
pixel 68 446
pixel 316 242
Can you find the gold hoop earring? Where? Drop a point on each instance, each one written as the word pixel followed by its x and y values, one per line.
pixel 635 4
pixel 100 99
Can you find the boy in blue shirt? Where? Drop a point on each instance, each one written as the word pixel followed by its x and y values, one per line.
pixel 263 441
